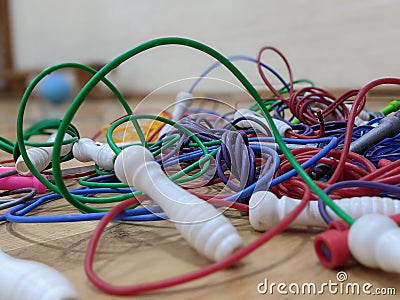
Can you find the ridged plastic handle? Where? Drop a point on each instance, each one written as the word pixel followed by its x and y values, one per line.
pixel 266 209
pixel 30 280
pixel 283 127
pixel 204 227
pixel 374 241
pixel 362 118
pixel 102 155
pixel 388 126
pixel 183 100
pixel 41 156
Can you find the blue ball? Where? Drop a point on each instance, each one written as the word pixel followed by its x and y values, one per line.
pixel 55 88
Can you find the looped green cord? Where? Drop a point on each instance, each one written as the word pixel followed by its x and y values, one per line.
pixel 101 171
pixel 114 185
pixel 43 129
pixel 20 145
pixel 198 164
pixel 47 127
pixel 50 144
pixel 6 145
pixel 177 176
pixel 148 45
pixel 165 143
pixel 125 119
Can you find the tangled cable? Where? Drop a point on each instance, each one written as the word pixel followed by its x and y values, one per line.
pixel 298 146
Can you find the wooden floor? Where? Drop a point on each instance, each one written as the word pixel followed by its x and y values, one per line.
pixel 132 253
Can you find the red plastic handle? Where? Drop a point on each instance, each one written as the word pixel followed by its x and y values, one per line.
pixel 332 246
